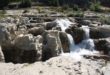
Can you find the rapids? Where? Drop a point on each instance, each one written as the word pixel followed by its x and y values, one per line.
pixel 86 47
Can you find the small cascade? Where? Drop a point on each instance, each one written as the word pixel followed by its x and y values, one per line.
pixel 63 23
pixel 86 47
pixel 87 43
pixel 72 44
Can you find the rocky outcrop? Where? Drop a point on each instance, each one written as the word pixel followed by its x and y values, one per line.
pixel 77 33
pixel 25 48
pixel 36 31
pixel 4 34
pixel 103 45
pixel 28 48
pixel 86 22
pixel 30 42
pixel 99 32
pixel 64 42
pixel 7 35
pixel 52 45
pixel 50 25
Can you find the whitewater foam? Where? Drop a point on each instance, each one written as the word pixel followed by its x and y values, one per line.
pixel 86 47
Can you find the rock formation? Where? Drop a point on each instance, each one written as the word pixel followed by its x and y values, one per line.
pixel 28 39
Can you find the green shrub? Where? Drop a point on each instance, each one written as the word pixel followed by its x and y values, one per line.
pixel 105 20
pixel 2 14
pixel 95 6
pixel 75 7
pixel 65 7
pixel 79 13
pixel 71 15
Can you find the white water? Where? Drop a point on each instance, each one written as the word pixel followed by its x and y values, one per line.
pixel 63 23
pixel 86 47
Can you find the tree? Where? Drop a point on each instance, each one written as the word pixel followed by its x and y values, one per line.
pixel 3 3
pixel 25 3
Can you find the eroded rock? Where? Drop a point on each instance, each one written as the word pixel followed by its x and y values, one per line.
pixel 103 45
pixel 36 31
pixel 25 48
pixel 49 26
pixel 99 32
pixel 64 42
pixel 52 45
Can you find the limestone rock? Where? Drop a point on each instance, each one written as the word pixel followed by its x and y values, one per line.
pixel 103 45
pixel 52 45
pixel 51 25
pixel 26 48
pixel 58 65
pixel 64 42
pixel 86 22
pixel 99 32
pixel 78 35
pixel 36 31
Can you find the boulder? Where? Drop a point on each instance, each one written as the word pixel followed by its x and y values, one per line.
pixel 78 35
pixel 86 22
pixel 50 25
pixel 76 32
pixel 7 35
pixel 36 31
pixel 25 42
pixel 30 47
pixel 7 31
pixel 26 48
pixel 99 32
pixel 103 45
pixel 56 28
pixel 7 20
pixel 52 44
pixel 64 41
pixel 4 34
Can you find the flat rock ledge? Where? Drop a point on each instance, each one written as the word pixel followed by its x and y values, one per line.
pixel 60 65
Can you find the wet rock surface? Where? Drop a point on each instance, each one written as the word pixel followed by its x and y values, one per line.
pixel 103 45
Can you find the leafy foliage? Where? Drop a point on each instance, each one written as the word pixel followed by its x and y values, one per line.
pixel 95 6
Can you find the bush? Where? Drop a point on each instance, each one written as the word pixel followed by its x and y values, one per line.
pixel 75 7
pixel 95 6
pixel 2 12
pixel 79 13
pixel 105 20
pixel 65 7
pixel 70 15
pixel 80 3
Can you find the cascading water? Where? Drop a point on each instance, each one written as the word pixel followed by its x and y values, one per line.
pixel 86 47
pixel 63 23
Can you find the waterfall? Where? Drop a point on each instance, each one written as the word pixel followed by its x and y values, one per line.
pixel 87 43
pixel 86 47
pixel 63 23
pixel 71 41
